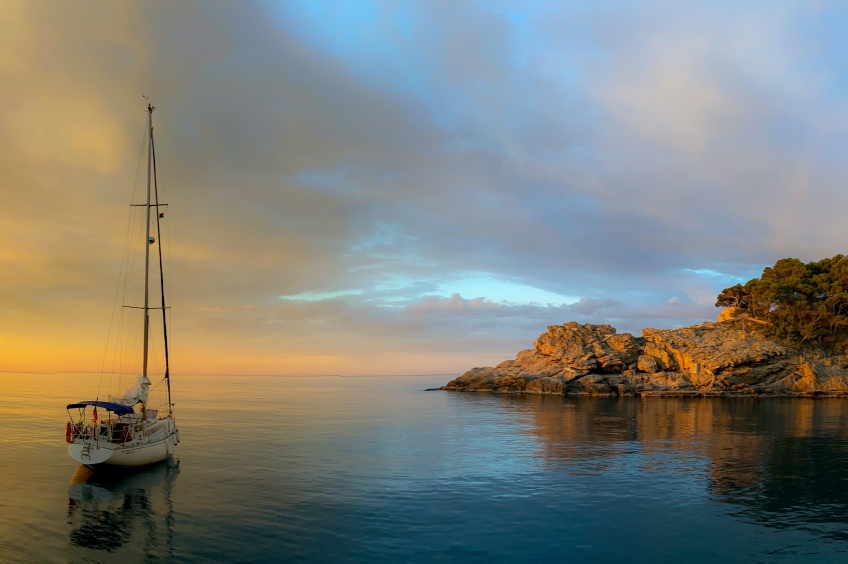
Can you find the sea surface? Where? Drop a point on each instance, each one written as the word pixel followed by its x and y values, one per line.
pixel 375 469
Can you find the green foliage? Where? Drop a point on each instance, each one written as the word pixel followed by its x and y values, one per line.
pixel 804 304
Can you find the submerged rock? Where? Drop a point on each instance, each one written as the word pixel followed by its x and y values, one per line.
pixel 728 357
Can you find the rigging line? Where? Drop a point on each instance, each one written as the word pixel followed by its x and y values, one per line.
pixel 161 272
pixel 167 240
pixel 168 313
pixel 125 351
pixel 129 259
pixel 127 265
pixel 119 342
pixel 132 352
pixel 118 285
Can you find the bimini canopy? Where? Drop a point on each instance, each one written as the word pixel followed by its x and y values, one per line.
pixel 116 407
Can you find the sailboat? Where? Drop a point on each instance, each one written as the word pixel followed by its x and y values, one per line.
pixel 123 430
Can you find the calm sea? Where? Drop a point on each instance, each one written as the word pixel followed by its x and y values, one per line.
pixel 377 470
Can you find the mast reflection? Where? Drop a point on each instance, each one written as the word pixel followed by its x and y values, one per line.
pixel 123 510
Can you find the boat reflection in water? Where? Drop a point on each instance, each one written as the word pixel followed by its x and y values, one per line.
pixel 123 509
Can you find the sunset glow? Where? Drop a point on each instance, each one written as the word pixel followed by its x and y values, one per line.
pixel 409 188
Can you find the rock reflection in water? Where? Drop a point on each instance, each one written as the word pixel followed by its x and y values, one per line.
pixel 782 462
pixel 111 509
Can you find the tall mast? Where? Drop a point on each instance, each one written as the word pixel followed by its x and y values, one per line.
pixel 147 239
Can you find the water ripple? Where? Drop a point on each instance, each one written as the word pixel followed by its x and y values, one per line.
pixel 375 470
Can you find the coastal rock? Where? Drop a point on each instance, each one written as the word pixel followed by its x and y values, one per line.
pixel 647 363
pixel 728 357
pixel 587 348
pixel 726 314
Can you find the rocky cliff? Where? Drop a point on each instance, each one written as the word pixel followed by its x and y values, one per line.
pixel 728 357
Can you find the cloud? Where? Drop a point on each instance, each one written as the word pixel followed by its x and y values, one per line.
pixel 589 306
pixel 642 157
pixel 455 302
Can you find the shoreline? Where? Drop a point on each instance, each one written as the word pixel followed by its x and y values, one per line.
pixel 725 358
pixel 814 395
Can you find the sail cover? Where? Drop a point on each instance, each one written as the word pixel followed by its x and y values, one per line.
pixel 135 393
pixel 117 408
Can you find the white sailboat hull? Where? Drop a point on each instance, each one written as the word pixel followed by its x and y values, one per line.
pixel 99 452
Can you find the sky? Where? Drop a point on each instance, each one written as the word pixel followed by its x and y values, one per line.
pixel 410 187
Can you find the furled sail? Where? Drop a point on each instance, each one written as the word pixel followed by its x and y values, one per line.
pixel 135 393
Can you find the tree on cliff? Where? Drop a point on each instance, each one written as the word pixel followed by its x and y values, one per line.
pixel 802 303
pixel 735 296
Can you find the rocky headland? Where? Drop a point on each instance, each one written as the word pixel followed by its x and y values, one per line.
pixel 728 357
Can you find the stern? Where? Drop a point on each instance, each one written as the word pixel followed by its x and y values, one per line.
pixel 89 453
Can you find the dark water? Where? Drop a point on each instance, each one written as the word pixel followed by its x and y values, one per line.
pixel 376 470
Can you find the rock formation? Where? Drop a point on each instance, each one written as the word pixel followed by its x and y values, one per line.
pixel 728 357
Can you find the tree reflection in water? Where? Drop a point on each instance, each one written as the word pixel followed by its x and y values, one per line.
pixel 793 482
pixel 783 463
pixel 109 509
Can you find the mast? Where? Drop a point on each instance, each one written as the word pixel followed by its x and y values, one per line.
pixel 147 240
